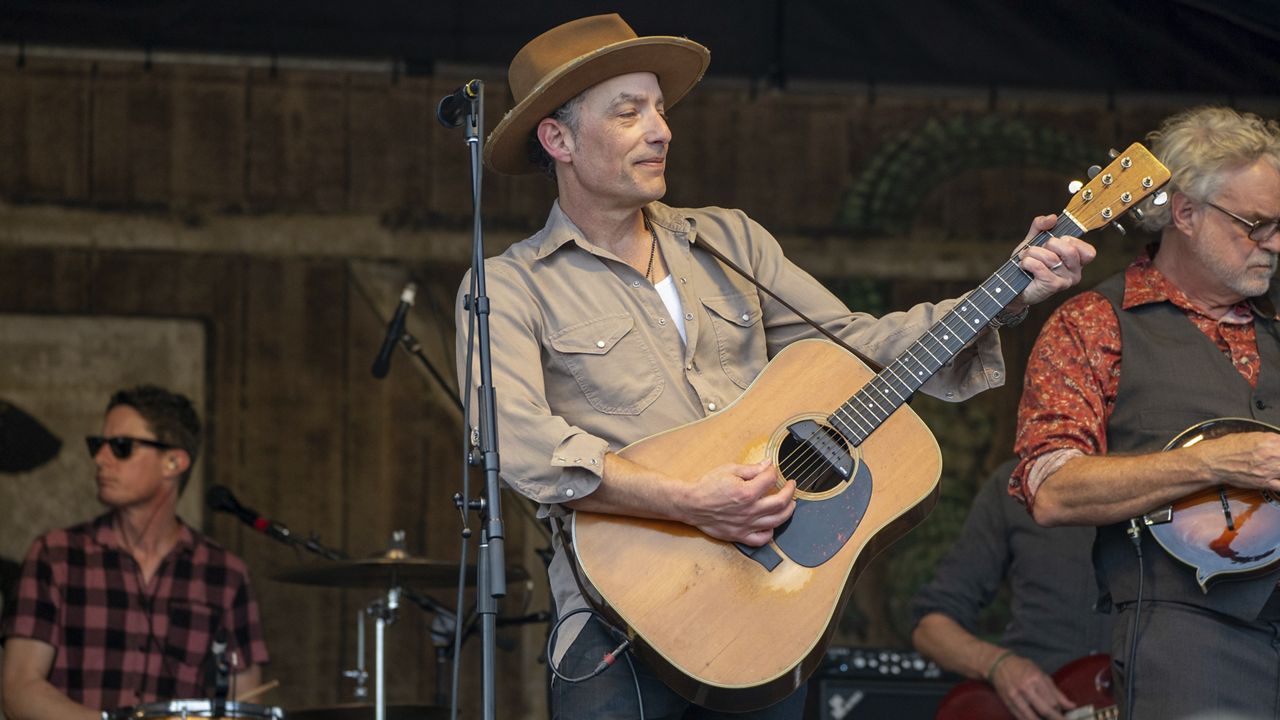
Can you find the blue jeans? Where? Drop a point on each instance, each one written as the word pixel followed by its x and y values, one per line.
pixel 612 694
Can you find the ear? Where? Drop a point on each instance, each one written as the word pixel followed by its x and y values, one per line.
pixel 1183 213
pixel 556 139
pixel 176 462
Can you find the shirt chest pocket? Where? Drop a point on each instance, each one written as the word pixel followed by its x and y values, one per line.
pixel 740 342
pixel 191 629
pixel 612 364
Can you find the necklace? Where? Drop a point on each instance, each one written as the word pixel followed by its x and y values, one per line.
pixel 653 248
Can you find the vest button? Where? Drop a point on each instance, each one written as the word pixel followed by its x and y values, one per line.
pixel 1259 404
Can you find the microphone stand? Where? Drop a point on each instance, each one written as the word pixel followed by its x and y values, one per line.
pixel 491 576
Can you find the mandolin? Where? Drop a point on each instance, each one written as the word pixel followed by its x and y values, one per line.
pixel 1222 532
pixel 737 628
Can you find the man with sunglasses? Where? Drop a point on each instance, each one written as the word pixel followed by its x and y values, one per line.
pixel 124 609
pixel 1186 334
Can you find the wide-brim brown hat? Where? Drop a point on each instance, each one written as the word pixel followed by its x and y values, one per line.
pixel 564 61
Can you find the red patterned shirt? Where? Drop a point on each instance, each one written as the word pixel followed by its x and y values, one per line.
pixel 118 644
pixel 1073 373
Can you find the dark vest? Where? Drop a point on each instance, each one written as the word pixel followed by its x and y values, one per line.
pixel 1172 377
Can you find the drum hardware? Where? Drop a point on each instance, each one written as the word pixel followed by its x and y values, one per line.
pixel 361 711
pixel 359 674
pixel 182 709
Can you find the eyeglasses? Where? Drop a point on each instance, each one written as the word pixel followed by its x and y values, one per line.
pixel 1259 230
pixel 121 447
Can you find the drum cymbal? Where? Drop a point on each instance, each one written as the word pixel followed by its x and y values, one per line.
pixel 363 711
pixel 381 572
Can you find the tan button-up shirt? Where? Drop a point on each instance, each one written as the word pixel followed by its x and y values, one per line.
pixel 587 359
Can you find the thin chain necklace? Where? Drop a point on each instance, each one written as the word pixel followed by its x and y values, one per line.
pixel 653 248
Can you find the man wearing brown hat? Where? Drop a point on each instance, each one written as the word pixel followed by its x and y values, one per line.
pixel 613 323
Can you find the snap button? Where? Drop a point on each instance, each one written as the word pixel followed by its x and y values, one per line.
pixel 995 374
pixel 635 283
pixel 569 492
pixel 745 317
pixel 599 343
pixel 711 406
pixel 662 321
pixel 688 316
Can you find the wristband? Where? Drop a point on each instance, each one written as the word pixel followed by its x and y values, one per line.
pixel 1004 318
pixel 991 671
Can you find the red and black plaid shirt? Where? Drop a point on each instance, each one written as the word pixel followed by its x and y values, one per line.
pixel 119 644
pixel 1073 373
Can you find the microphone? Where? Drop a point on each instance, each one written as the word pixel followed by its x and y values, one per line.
pixel 219 498
pixel 457 104
pixel 394 330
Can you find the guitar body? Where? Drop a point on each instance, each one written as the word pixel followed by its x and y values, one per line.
pixel 1198 532
pixel 718 626
pixel 1085 681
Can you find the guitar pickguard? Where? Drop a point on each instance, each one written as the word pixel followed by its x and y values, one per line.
pixel 819 528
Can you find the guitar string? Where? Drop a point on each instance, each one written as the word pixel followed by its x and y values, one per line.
pixel 809 473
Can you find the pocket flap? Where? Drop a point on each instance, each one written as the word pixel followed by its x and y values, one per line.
pixel 594 337
pixel 740 310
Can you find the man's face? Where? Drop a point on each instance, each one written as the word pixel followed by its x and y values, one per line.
pixel 139 479
pixel 1222 244
pixel 618 152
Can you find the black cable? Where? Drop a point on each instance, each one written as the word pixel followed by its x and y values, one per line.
pixel 605 662
pixel 1135 535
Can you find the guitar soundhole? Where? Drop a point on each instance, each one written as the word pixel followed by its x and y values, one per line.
pixel 814 458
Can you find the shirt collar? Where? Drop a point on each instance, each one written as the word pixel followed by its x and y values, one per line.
pixel 1144 285
pixel 104 533
pixel 560 230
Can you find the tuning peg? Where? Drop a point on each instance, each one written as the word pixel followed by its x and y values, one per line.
pixel 1094 170
pixel 1137 213
pixel 1119 228
pixel 1074 186
pixel 1161 198
pixel 1113 153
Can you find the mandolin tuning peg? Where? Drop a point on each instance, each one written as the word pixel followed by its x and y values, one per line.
pixel 1074 186
pixel 1119 228
pixel 1161 198
pixel 1113 153
pixel 1094 170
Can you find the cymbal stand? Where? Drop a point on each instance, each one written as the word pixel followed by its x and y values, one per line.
pixel 384 612
pixel 360 675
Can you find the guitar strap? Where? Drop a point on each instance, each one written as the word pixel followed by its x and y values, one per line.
pixel 875 366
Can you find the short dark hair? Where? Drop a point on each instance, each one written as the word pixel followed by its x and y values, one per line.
pixel 169 415
pixel 567 114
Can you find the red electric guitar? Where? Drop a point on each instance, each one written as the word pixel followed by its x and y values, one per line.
pixel 1086 682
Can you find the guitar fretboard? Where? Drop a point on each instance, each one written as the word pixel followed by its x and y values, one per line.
pixel 863 413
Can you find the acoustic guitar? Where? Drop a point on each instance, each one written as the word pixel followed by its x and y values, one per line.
pixel 1221 532
pixel 737 628
pixel 1085 681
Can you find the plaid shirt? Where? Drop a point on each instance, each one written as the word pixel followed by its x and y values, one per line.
pixel 119 644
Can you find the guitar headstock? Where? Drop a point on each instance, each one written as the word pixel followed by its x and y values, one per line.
pixel 1131 176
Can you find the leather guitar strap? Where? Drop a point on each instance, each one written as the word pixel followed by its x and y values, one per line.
pixel 875 366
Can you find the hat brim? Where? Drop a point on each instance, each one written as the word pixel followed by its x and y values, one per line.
pixel 679 64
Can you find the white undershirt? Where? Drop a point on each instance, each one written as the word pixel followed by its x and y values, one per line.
pixel 666 288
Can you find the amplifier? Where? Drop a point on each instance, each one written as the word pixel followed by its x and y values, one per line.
pixel 857 683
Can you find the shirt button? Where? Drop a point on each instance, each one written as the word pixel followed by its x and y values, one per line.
pixel 662 321
pixel 568 493
pixel 711 406
pixel 995 374
pixel 688 316
pixel 951 394
pixel 599 343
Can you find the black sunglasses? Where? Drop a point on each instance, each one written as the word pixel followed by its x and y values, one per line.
pixel 121 447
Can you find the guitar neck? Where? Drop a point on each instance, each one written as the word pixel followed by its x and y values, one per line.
pixel 858 417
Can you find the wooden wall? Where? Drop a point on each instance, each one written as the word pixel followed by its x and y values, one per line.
pixel 248 199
